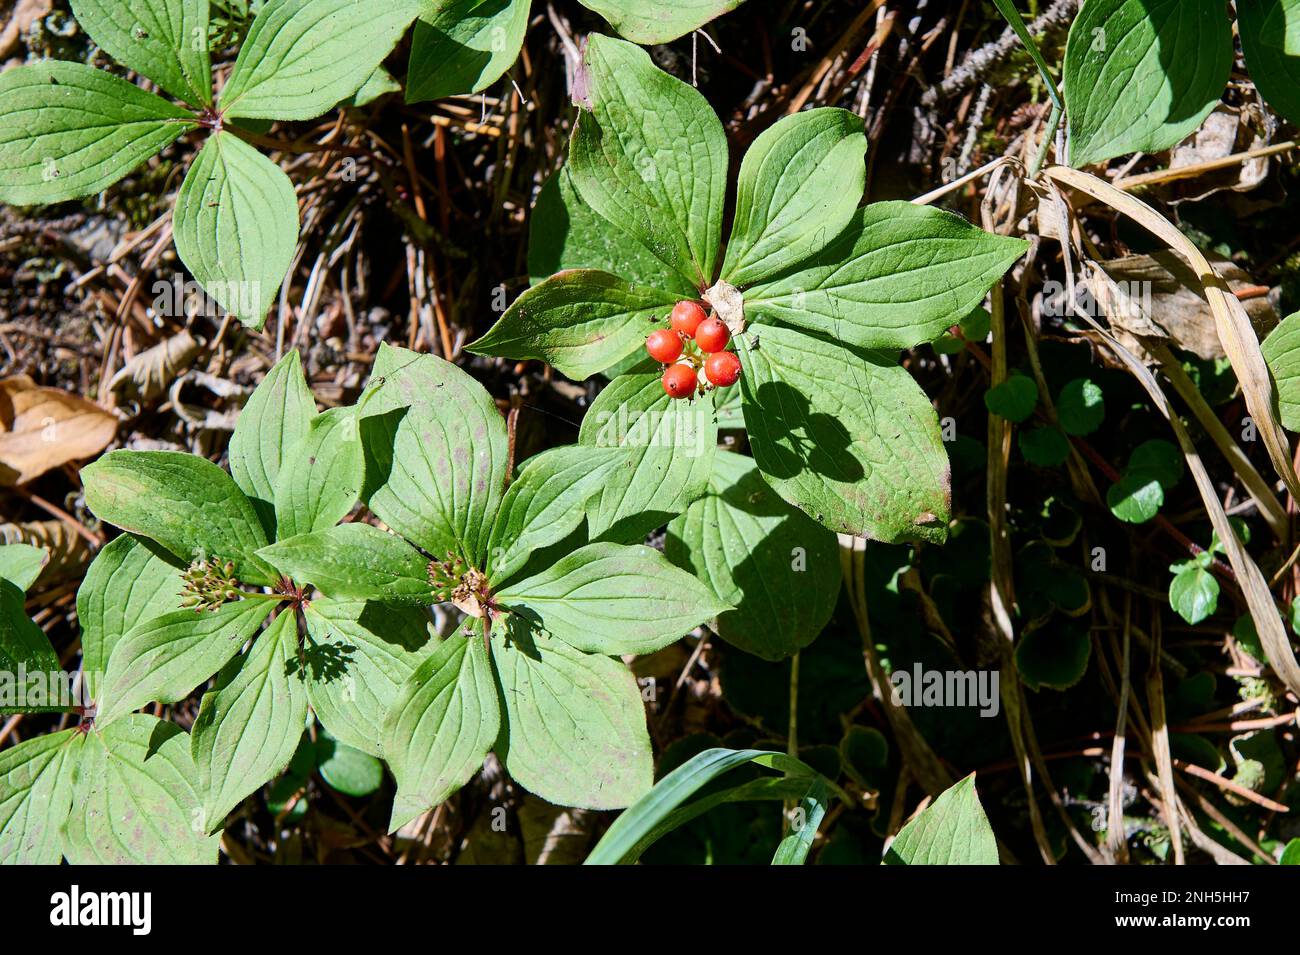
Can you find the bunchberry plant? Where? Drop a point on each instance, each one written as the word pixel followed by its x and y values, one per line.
pixel 172 602
pixel 811 288
pixel 464 46
pixel 68 130
pixel 1140 75
pixel 531 673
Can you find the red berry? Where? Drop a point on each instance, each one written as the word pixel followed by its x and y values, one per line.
pixel 686 317
pixel 664 346
pixel 712 335
pixel 679 381
pixel 722 368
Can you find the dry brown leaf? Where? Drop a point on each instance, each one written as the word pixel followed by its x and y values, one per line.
pixel 43 428
pixel 1164 295
pixel 148 374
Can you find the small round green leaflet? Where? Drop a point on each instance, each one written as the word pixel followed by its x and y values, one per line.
pixel 1014 399
pixel 666 806
pixel 348 770
pixel 1193 593
pixel 1045 447
pixel 1080 407
pixel 1054 656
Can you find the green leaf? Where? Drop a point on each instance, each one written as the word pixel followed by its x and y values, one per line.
pixel 134 799
pixel 1080 407
pixel 236 225
pixel 1136 497
pixel 852 443
pixel 165 658
pixel 301 57
pixel 68 130
pixel 1053 657
pixel 1161 460
pixel 322 477
pixel 184 502
pixel 348 770
pixel 546 503
pixel 666 806
pixel 443 464
pixel 21 564
pixel 355 561
pixel 23 647
pixel 443 723
pixel 464 46
pixel 776 566
pixel 276 417
pixel 380 83
pixel 565 233
pixel 1013 399
pixel 1045 447
pixel 575 725
pixel 658 21
pixel 127 583
pixel 1270 40
pixel 249 725
pixel 953 830
pixel 1291 854
pixel 580 321
pixel 799 186
pixel 165 40
pixel 1282 355
pixel 36 796
pixel 899 275
pixel 649 155
pixel 614 599
pixel 1140 75
pixel 358 657
pixel 669 455
pixel 1193 593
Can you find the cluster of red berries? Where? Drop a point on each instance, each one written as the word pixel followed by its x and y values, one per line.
pixel 691 342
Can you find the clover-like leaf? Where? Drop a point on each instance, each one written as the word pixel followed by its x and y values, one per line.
pixel 852 443
pixel 301 57
pixel 613 599
pixel 166 40
pixel 236 225
pixel 1142 74
pixel 649 155
pixel 464 46
pixel 444 722
pixel 69 130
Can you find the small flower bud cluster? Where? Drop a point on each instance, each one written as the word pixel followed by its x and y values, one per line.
pixel 207 584
pixel 445 575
